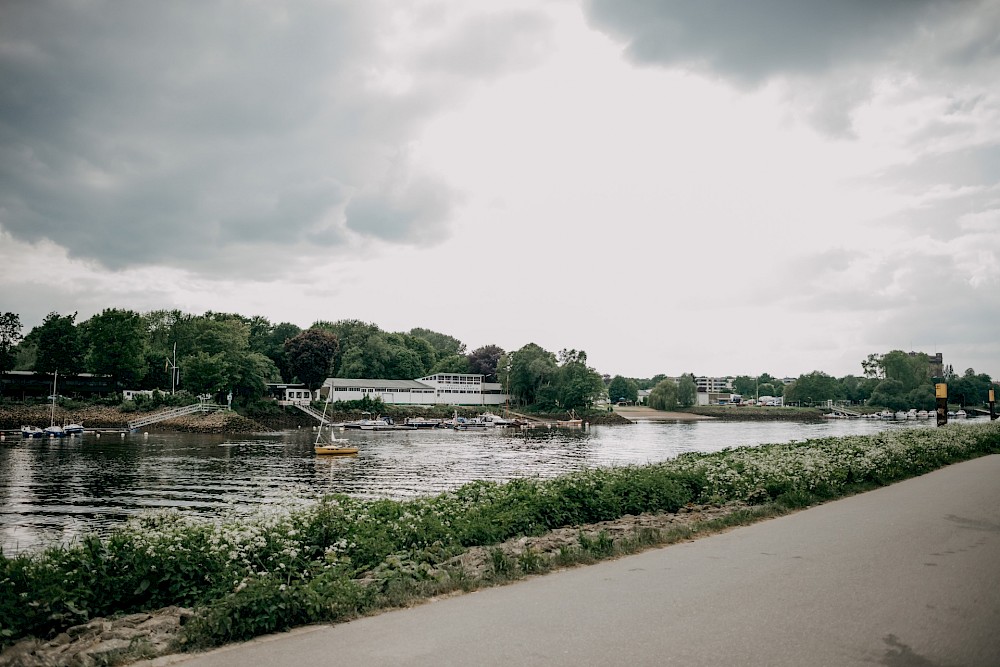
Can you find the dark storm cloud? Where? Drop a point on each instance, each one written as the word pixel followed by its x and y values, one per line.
pixel 752 41
pixel 155 132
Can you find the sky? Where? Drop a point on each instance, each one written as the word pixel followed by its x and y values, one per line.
pixel 718 187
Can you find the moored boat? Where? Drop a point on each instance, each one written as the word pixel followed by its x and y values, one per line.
pixel 31 432
pixel 494 420
pixel 73 429
pixel 961 414
pixel 422 422
pixel 54 431
pixel 333 449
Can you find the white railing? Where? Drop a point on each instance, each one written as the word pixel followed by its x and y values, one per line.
pixel 312 412
pixel 174 412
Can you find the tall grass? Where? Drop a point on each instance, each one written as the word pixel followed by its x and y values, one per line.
pixel 340 556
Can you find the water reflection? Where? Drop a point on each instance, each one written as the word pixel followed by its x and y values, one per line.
pixel 54 491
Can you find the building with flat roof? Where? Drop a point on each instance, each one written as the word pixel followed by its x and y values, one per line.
pixel 439 389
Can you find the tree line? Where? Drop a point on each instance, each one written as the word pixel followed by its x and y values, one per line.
pixel 895 380
pixel 217 353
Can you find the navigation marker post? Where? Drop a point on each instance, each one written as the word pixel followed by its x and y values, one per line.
pixel 993 405
pixel 941 394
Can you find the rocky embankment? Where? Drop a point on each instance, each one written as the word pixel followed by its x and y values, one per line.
pixel 97 416
pixel 135 637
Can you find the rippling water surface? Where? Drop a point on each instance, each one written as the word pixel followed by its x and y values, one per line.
pixel 54 491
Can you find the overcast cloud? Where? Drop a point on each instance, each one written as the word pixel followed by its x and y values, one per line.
pixel 719 187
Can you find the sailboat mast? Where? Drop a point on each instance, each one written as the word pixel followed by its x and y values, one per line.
pixel 52 410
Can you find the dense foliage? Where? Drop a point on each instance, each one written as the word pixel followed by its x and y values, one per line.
pixel 331 558
pixel 220 352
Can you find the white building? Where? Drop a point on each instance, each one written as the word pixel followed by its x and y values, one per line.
pixel 713 385
pixel 440 389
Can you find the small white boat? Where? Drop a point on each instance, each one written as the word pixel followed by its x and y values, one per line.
pixel 961 414
pixel 422 422
pixel 31 432
pixel 494 420
pixel 73 429
pixel 54 431
pixel 923 414
pixel 900 415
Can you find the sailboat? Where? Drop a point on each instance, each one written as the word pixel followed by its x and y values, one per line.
pixel 335 447
pixel 52 430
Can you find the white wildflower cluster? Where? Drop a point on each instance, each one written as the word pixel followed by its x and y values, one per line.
pixel 757 473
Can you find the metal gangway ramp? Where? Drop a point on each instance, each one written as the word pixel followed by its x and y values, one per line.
pixel 174 412
pixel 312 412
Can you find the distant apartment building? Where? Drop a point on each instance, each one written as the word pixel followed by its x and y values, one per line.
pixel 710 385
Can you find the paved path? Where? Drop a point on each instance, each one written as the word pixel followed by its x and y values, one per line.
pixel 907 575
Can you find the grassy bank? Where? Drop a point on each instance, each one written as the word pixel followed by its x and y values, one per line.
pixel 340 557
pixel 756 413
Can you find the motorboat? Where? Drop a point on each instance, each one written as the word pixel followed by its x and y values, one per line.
pixel 31 432
pixel 491 419
pixel 73 429
pixel 368 424
pixel 422 422
pixel 961 414
pixel 467 423
pixel 900 415
pixel 54 431
pixel 377 424
pixel 923 414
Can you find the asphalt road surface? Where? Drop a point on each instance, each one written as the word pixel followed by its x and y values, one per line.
pixel 904 576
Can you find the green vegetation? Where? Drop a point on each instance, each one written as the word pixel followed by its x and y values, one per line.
pixel 339 557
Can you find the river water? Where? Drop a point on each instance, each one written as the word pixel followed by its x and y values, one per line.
pixel 53 491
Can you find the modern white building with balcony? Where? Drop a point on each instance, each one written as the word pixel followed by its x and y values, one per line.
pixel 439 389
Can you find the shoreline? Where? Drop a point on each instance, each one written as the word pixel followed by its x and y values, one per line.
pixel 635 413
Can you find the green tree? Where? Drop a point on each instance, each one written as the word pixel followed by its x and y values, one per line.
pixel 217 335
pixel 248 373
pixel 443 344
pixel 911 371
pixel 455 363
pixel 664 395
pixel 623 389
pixel 812 388
pixel 873 367
pixel 855 389
pixel 577 385
pixel 424 351
pixel 687 391
pixel 116 340
pixel 205 373
pixel 890 394
pixel 311 356
pixel 59 345
pixel 10 336
pixel 530 370
pixel 484 360
pixel 352 335
pixel 745 386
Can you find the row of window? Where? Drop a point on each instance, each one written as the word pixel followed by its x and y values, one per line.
pixel 388 390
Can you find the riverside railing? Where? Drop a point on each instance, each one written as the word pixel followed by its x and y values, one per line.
pixel 174 412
